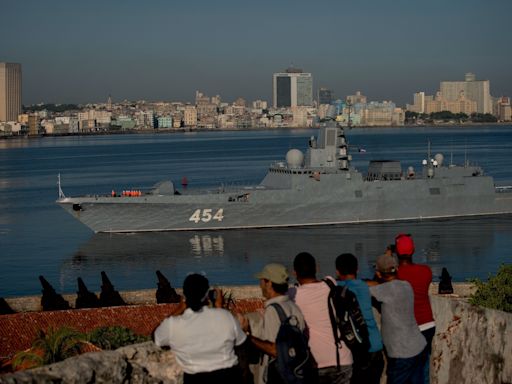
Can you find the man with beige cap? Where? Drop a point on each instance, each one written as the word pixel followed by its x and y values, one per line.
pixel 274 286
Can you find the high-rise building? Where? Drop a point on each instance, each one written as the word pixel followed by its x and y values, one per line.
pixel 10 91
pixel 419 103
pixel 476 90
pixel 292 88
pixel 325 96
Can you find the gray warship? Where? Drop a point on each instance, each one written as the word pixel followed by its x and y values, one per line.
pixel 318 187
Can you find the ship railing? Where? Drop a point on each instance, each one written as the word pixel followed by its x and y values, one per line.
pixel 232 187
pixel 504 189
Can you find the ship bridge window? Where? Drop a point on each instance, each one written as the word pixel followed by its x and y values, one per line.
pixel 434 191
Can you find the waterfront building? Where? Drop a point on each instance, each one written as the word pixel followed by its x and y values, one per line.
pixel 476 90
pixel 165 122
pixel 503 109
pixel 10 128
pixel 300 117
pixel 292 88
pixel 379 113
pixel 460 105
pixel 259 104
pixel 323 110
pixel 10 91
pixel 190 116
pixel 201 98
pixel 216 100
pixel 325 96
pixel 419 103
pixel 357 98
pixel 23 118
pixel 33 124
pixel 124 122
pixel 177 119
pixel 74 125
pixel 103 118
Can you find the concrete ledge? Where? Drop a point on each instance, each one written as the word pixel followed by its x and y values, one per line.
pixel 148 296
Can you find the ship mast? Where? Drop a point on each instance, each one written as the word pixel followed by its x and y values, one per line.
pixel 342 156
pixel 61 193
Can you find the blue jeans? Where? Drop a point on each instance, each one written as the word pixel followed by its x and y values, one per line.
pixel 406 371
pixel 429 335
pixel 371 372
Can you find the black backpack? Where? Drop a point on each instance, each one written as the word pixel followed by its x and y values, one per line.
pixel 294 361
pixel 348 323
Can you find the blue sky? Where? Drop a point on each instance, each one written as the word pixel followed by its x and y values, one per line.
pixel 82 51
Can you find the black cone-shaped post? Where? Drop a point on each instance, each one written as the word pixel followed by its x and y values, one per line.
pixel 445 285
pixel 165 292
pixel 84 297
pixel 109 297
pixel 51 300
pixel 5 309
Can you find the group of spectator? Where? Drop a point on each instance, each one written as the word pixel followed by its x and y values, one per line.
pixel 206 339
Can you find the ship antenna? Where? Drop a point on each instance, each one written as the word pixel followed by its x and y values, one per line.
pixel 61 194
pixel 428 150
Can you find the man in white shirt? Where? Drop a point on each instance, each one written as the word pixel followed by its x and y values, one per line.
pixel 202 338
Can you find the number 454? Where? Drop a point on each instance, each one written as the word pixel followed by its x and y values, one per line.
pixel 206 215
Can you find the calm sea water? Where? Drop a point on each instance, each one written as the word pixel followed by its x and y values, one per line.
pixel 38 238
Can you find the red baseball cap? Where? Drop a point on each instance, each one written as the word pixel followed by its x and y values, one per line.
pixel 404 245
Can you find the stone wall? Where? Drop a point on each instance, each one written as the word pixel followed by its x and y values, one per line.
pixel 140 363
pixel 472 344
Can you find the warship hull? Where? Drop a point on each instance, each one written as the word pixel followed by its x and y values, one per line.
pixel 331 199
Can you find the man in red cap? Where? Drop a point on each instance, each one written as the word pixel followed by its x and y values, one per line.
pixel 420 277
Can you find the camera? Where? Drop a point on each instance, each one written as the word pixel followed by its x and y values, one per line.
pixel 212 295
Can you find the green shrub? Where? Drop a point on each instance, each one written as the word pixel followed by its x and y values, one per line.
pixel 496 293
pixel 56 344
pixel 114 337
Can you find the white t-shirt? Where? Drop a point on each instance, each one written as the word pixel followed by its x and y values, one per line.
pixel 202 341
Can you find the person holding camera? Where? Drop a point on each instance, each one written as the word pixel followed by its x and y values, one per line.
pixel 202 338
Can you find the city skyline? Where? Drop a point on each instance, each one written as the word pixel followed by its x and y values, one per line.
pixel 83 52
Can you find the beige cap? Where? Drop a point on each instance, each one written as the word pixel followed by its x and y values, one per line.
pixel 386 263
pixel 276 273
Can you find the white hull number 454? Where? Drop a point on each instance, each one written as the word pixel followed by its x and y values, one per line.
pixel 206 215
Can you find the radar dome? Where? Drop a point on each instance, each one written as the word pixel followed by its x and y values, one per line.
pixel 439 158
pixel 294 158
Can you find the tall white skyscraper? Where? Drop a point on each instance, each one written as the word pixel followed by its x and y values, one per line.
pixel 292 88
pixel 472 89
pixel 10 91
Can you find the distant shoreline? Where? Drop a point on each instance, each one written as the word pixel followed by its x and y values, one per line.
pixel 185 130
